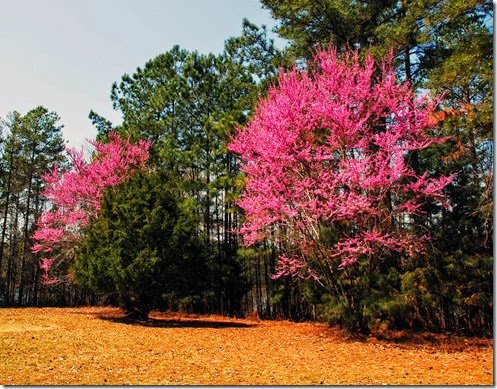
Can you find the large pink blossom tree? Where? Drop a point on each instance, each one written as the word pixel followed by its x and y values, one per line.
pixel 74 197
pixel 326 161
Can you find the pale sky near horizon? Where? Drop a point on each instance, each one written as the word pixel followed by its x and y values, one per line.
pixel 65 54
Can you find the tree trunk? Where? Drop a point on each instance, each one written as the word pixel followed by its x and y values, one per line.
pixel 26 225
pixel 6 211
pixel 11 271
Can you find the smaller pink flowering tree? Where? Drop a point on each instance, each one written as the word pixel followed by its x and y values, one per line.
pixel 328 176
pixel 74 198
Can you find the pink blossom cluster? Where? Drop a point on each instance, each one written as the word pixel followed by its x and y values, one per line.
pixel 330 146
pixel 294 266
pixel 75 195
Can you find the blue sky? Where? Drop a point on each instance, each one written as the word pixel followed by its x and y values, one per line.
pixel 65 55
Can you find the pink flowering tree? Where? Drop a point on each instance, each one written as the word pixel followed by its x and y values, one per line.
pixel 328 176
pixel 74 197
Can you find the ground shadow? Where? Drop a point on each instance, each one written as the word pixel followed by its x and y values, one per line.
pixel 172 323
pixel 446 341
pixel 406 339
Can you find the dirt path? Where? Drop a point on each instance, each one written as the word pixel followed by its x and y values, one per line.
pixel 85 346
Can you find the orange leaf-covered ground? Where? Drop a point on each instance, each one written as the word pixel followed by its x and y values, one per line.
pixel 92 346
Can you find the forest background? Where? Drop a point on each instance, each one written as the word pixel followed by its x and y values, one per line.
pixel 188 105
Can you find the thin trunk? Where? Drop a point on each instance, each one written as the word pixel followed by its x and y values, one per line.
pixel 267 281
pixel 26 226
pixel 35 285
pixel 11 270
pixel 6 211
pixel 218 230
pixel 258 286
pixel 227 223
pixel 208 194
pixel 407 63
pixel 36 267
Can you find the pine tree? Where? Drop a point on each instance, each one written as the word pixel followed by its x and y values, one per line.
pixel 187 105
pixel 142 247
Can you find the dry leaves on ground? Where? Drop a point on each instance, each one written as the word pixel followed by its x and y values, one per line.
pixel 94 346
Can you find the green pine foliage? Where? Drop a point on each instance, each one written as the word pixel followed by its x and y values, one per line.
pixel 187 104
pixel 143 248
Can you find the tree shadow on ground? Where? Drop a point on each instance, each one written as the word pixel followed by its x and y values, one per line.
pixel 173 323
pixel 405 339
pixel 447 341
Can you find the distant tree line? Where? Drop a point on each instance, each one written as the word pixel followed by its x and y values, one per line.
pixel 31 145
